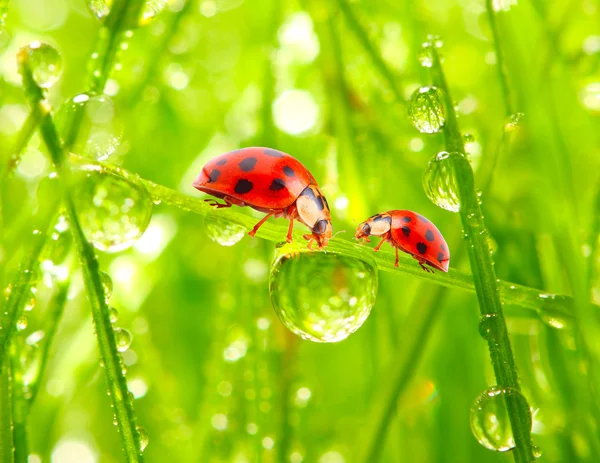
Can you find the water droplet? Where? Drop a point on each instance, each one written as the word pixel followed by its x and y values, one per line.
pixel 425 54
pixel 537 452
pixel 123 339
pixel 30 305
pixel 554 319
pixel 45 62
pixel 488 326
pixel 490 422
pixel 439 180
pixel 113 211
pixel 473 220
pixel 223 232
pixel 107 284
pixel 100 128
pixel 143 437
pixel 468 138
pixel 322 297
pixel 113 314
pixel 426 109
pixel 22 322
pixel 101 8
pixel 514 121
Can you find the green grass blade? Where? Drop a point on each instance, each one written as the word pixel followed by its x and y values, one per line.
pixel 19 404
pixel 484 275
pixel 6 443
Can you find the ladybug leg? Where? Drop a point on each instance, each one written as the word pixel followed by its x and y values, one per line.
pixel 215 203
pixel 427 269
pixel 383 240
pixel 396 263
pixel 258 225
pixel 289 237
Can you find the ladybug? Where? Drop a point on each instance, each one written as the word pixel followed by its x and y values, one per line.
pixel 410 232
pixel 269 181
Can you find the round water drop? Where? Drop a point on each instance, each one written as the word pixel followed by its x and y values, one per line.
pixel 426 109
pixel 488 326
pixel 426 52
pixel 44 61
pixel 223 232
pixel 537 452
pixel 143 437
pixel 113 211
pixel 113 314
pixel 322 297
pixel 107 284
pixel 30 305
pixel 22 322
pixel 439 180
pixel 100 128
pixel 490 422
pixel 123 338
pixel 101 8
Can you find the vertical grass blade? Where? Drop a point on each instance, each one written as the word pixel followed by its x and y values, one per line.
pixel 117 385
pixel 19 404
pixel 484 275
pixel 6 443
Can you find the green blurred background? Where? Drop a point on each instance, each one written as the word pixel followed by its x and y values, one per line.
pixel 215 375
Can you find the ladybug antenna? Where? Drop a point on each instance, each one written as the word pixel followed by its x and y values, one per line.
pixel 337 233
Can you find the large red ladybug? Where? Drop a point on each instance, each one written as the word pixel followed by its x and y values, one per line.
pixel 269 181
pixel 410 232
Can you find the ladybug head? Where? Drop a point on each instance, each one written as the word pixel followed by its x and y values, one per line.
pixel 313 211
pixel 363 231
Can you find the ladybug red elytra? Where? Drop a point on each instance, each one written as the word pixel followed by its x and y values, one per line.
pixel 269 181
pixel 411 233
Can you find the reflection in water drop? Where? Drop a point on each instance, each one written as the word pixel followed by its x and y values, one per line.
pixel 99 127
pixel 44 61
pixel 101 8
pixel 322 297
pixel 113 211
pixel 223 232
pixel 490 422
pixel 123 339
pixel 426 109
pixel 439 180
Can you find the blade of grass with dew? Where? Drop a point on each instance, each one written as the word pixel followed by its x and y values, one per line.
pixel 117 384
pixel 484 275
pixel 6 443
pixel 517 295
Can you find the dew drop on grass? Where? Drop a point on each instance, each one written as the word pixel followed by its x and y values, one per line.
pixel 490 422
pixel 224 232
pixel 426 109
pixel 113 211
pixel 488 326
pixel 123 339
pixel 439 180
pixel 101 8
pixel 537 452
pixel 100 128
pixel 45 62
pixel 144 439
pixel 22 322
pixel 322 297
pixel 425 55
pixel 113 314
pixel 107 284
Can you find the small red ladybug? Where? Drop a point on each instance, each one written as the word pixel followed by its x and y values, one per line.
pixel 411 233
pixel 269 181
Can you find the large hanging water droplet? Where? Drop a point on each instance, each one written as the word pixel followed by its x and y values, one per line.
pixel 322 297
pixel 113 211
pixel 426 109
pixel 99 127
pixel 439 180
pixel 223 232
pixel 101 8
pixel 123 339
pixel 144 439
pixel 44 61
pixel 490 422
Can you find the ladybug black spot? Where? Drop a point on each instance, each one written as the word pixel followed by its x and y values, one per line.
pixel 248 164
pixel 429 235
pixel 441 256
pixel 214 175
pixel 423 219
pixel 422 247
pixel 243 186
pixel 222 162
pixel 272 152
pixel 287 170
pixel 277 184
pixel 406 231
pixel 406 219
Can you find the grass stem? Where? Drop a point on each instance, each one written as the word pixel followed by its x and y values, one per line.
pixel 484 275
